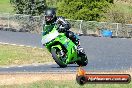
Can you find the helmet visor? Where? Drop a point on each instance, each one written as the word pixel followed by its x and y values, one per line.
pixel 48 18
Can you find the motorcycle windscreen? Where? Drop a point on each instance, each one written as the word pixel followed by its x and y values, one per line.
pixel 48 37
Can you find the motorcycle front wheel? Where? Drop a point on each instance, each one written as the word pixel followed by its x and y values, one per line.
pixel 60 60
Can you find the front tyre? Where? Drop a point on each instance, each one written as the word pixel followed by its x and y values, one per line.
pixel 58 58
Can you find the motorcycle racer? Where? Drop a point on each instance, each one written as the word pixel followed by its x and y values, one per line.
pixel 50 18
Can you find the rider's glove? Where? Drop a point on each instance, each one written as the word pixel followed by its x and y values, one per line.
pixel 61 29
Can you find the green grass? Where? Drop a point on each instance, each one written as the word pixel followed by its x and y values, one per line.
pixel 5 6
pixel 126 8
pixel 66 84
pixel 15 55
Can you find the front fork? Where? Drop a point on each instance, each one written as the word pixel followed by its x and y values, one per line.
pixel 62 53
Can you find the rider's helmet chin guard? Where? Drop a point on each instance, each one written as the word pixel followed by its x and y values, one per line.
pixel 49 15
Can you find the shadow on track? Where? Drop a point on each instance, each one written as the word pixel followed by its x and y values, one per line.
pixel 71 66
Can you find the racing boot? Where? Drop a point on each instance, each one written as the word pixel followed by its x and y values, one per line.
pixel 75 39
pixel 80 50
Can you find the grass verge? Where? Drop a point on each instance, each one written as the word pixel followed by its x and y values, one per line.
pixel 5 6
pixel 16 55
pixel 67 84
pixel 53 80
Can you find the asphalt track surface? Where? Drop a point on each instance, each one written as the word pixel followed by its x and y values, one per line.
pixel 104 54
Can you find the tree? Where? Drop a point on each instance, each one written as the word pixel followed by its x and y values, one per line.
pixel 52 3
pixel 32 7
pixel 82 9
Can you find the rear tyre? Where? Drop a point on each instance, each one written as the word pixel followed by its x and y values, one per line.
pixel 83 61
pixel 58 58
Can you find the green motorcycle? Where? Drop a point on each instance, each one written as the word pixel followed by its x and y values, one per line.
pixel 63 50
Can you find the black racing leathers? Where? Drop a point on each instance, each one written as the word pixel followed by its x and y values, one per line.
pixel 64 27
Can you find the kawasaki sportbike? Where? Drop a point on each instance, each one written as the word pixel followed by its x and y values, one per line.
pixel 63 50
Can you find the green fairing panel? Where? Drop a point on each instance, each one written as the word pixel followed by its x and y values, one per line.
pixel 49 37
pixel 47 28
pixel 53 37
pixel 69 45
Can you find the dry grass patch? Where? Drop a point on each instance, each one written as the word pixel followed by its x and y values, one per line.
pixel 16 55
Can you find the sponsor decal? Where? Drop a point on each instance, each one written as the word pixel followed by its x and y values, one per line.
pixel 82 78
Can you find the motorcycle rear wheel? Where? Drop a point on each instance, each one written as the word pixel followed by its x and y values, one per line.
pixel 83 61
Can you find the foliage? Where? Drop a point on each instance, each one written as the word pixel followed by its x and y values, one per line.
pixel 82 9
pixel 52 3
pixel 31 7
pixel 119 13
